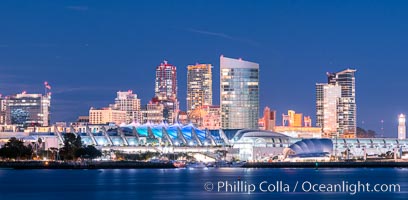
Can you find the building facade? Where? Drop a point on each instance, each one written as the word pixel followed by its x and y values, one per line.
pixel 153 113
pixel 127 101
pixel 239 88
pixel 327 99
pixel 106 115
pixel 27 109
pixel 199 86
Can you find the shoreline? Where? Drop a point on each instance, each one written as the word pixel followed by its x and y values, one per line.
pixel 152 165
pixel 367 164
pixel 85 165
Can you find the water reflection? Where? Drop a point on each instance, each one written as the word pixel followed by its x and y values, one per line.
pixel 186 183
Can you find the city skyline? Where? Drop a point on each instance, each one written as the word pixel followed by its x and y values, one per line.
pixel 287 41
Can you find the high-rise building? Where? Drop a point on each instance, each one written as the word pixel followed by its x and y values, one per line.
pixel 402 130
pixel 166 82
pixel 127 101
pixel 199 86
pixel 239 81
pixel 327 99
pixel 336 109
pixel 106 115
pixel 166 91
pixel 347 108
pixel 27 109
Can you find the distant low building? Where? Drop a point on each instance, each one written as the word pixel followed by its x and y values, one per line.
pixel 84 119
pixel 268 121
pixel 153 113
pixel 127 101
pixel 106 115
pixel 293 124
pixel 206 117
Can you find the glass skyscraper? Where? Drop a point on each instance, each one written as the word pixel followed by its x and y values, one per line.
pixel 239 93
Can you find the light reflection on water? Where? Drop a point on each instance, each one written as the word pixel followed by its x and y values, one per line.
pixel 186 183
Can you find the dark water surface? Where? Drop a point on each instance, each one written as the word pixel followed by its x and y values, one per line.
pixel 193 183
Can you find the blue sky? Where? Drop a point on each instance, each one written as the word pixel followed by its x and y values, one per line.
pixel 88 50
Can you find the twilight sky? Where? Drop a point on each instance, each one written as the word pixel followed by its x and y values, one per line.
pixel 88 50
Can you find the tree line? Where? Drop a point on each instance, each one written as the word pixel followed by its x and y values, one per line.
pixel 72 149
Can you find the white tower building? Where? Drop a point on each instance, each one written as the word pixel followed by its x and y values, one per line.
pixel 402 130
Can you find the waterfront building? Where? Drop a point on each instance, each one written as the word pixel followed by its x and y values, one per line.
pixel 27 109
pixel 106 115
pixel 199 86
pixel 127 101
pixel 402 130
pixel 239 93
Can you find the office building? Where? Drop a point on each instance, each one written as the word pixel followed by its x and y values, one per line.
pixel 27 109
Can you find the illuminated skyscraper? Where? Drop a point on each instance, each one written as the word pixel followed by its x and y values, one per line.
pixel 334 107
pixel 239 93
pixel 199 86
pixel 166 91
pixel 402 130
pixel 327 98
pixel 166 82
